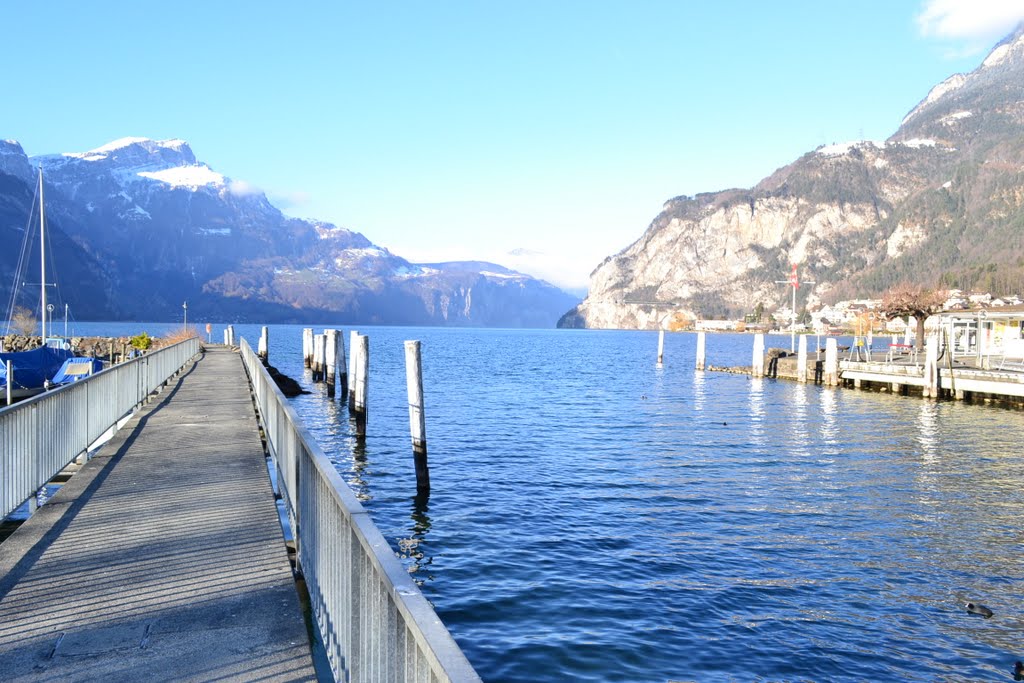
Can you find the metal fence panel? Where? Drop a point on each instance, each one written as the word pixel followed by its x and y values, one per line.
pixel 40 436
pixel 374 621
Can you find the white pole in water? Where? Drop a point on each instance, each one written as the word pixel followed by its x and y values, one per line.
pixel 307 347
pixel 264 346
pixel 417 420
pixel 354 362
pixel 701 353
pixel 757 364
pixel 362 380
pixel 330 359
pixel 831 362
pixel 661 346
pixel 801 360
pixel 10 382
pixel 342 367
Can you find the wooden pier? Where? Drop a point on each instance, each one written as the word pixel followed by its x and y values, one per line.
pixel 163 559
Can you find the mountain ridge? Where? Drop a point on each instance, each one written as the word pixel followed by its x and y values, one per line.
pixel 927 204
pixel 159 227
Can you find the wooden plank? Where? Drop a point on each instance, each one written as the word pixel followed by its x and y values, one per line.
pixel 163 559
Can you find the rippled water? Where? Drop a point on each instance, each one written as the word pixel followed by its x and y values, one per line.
pixel 595 518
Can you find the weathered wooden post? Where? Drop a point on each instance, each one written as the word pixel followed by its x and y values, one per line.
pixel 417 420
pixel 231 335
pixel 264 346
pixel 10 382
pixel 342 367
pixel 307 347
pixel 757 364
pixel 330 358
pixel 831 362
pixel 225 336
pixel 931 367
pixel 362 382
pixel 701 357
pixel 801 359
pixel 661 347
pixel 354 350
pixel 319 348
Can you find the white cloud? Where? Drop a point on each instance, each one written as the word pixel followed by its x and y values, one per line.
pixel 240 188
pixel 978 23
pixel 289 201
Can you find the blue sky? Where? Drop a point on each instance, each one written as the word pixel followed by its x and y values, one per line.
pixel 544 135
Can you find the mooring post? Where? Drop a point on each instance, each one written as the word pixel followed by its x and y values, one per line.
pixel 10 382
pixel 354 350
pixel 264 347
pixel 417 420
pixel 307 347
pixel 757 364
pixel 661 347
pixel 701 357
pixel 231 334
pixel 801 359
pixel 225 336
pixel 831 362
pixel 362 382
pixel 330 358
pixel 342 367
pixel 319 348
pixel 931 367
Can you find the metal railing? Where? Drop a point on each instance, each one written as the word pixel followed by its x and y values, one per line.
pixel 374 621
pixel 40 436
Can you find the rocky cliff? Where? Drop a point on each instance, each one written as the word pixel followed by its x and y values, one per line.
pixel 940 202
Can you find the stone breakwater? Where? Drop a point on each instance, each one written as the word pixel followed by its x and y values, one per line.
pixel 104 348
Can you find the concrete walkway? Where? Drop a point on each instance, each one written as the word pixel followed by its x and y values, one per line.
pixel 163 559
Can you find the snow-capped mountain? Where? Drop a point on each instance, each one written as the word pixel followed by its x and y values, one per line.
pixel 164 228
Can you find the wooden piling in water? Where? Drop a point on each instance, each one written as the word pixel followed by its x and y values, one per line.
pixel 757 361
pixel 701 353
pixel 801 359
pixel 307 347
pixel 225 336
pixel 417 419
pixel 931 367
pixel 330 359
pixel 661 347
pixel 231 335
pixel 342 367
pixel 362 382
pixel 263 351
pixel 354 351
pixel 831 362
pixel 318 357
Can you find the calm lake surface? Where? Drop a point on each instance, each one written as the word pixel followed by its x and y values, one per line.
pixel 595 518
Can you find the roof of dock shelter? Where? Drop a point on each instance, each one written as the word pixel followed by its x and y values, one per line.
pixel 989 312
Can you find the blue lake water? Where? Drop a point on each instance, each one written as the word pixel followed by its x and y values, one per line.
pixel 595 518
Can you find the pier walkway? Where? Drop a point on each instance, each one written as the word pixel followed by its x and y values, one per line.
pixel 163 559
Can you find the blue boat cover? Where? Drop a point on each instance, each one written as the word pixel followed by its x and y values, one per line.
pixel 32 368
pixel 75 369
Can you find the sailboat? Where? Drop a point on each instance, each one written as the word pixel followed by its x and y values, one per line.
pixel 26 373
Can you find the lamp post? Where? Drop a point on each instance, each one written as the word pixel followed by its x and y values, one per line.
pixel 184 307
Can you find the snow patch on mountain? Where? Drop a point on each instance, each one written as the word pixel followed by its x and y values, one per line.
pixel 187 176
pixel 949 85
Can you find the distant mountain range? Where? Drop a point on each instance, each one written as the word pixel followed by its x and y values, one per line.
pixel 941 202
pixel 137 227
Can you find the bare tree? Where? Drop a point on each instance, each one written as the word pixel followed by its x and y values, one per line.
pixel 916 301
pixel 23 322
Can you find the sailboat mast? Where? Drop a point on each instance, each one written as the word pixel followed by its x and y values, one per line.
pixel 42 254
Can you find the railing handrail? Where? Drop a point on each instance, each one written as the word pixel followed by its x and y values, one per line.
pixel 40 436
pixel 363 637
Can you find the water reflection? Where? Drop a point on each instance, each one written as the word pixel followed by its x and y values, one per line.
pixel 412 549
pixel 756 399
pixel 699 390
pixel 798 423
pixel 829 429
pixel 928 429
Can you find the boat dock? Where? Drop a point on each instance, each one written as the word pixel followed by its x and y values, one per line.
pixel 163 557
